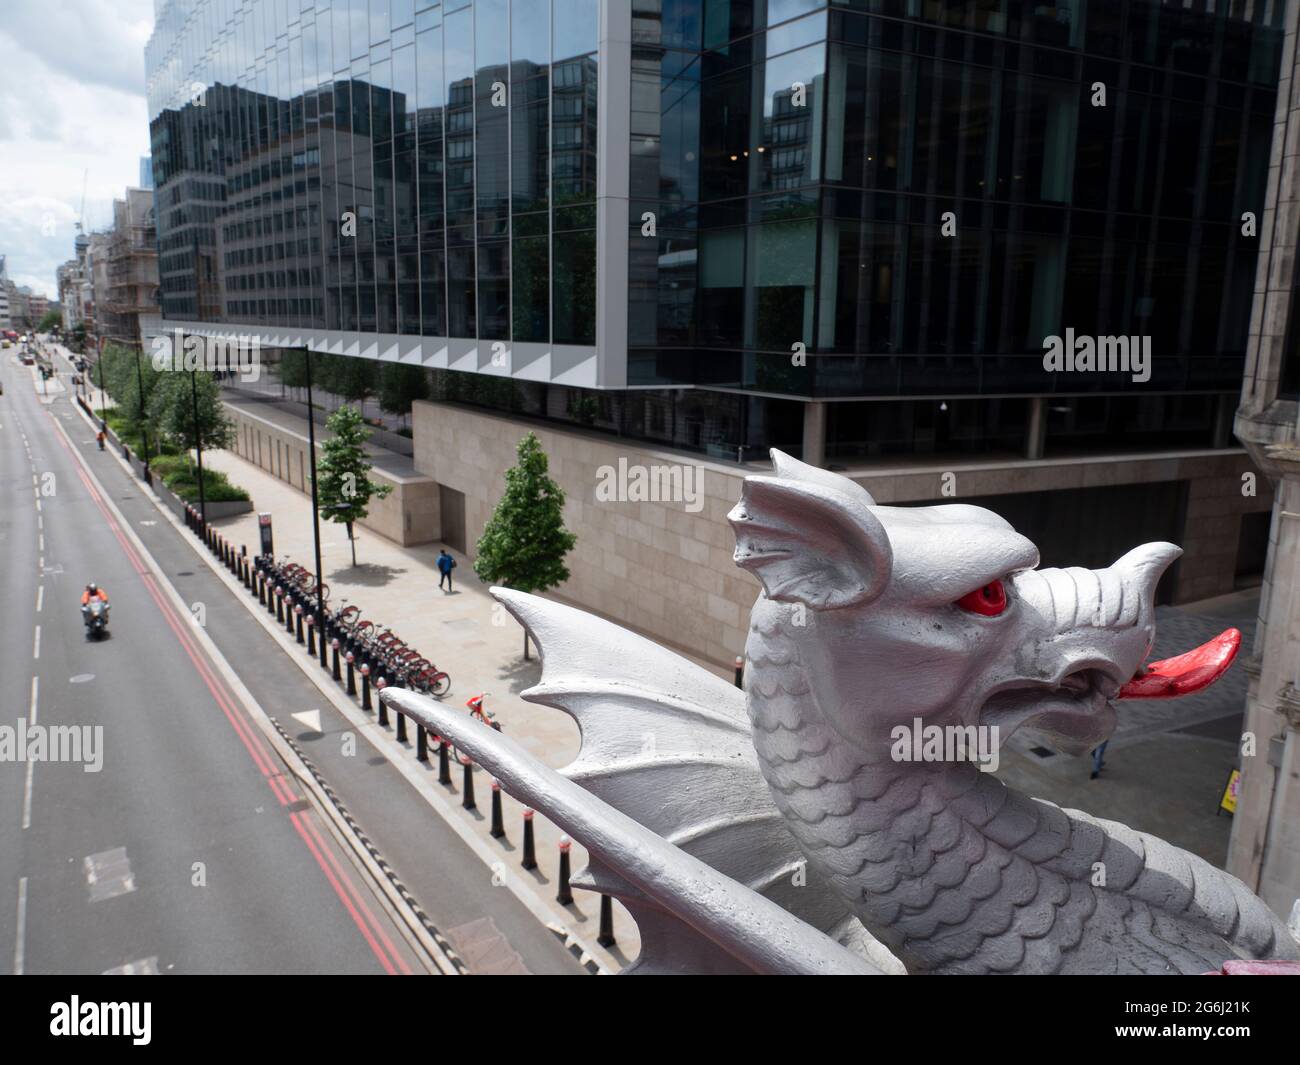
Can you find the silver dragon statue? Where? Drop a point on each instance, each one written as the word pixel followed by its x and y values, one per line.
pixel 780 829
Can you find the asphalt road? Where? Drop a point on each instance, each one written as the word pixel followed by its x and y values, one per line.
pixel 191 849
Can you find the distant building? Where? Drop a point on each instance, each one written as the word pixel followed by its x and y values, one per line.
pixel 131 269
pixel 4 297
pixel 146 171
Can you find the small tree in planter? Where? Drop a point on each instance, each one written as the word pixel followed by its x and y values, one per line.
pixel 344 488
pixel 525 541
pixel 171 405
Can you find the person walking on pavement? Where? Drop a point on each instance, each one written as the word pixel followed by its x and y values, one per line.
pixel 445 565
pixel 1098 760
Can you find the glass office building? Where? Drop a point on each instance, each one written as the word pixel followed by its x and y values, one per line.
pixel 378 167
pixel 659 199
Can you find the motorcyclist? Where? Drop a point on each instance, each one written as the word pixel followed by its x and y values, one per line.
pixel 93 591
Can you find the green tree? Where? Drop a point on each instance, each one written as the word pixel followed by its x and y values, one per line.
pixel 172 410
pixel 343 485
pixel 400 385
pixel 293 368
pixel 350 379
pixel 525 541
pixel 52 320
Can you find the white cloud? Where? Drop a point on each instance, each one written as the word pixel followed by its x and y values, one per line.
pixel 72 104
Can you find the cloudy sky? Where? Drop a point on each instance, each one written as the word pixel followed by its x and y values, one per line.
pixel 72 105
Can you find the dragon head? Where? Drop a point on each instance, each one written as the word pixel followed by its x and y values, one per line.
pixel 939 613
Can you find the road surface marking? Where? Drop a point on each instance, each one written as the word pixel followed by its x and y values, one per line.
pixel 139 967
pixel 310 718
pixel 36 645
pixel 108 874
pixel 20 940
pixel 40 598
pixel 27 782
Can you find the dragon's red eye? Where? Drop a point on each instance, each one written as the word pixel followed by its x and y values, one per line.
pixel 990 600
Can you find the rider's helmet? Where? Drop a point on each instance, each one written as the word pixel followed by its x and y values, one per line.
pixel 92 588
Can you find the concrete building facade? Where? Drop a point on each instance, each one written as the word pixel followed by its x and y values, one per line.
pixel 1265 845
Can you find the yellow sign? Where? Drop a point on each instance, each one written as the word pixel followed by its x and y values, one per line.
pixel 1229 800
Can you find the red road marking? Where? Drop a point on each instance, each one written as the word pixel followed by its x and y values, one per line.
pixel 310 826
pixel 251 741
pixel 329 875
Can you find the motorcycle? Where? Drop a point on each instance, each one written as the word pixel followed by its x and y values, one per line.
pixel 95 616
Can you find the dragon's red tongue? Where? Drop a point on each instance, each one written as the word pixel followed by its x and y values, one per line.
pixel 1187 673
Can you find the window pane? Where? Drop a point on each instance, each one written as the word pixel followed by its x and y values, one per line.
pixel 575 287
pixel 576 25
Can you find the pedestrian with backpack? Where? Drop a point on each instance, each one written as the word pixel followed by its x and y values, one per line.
pixel 445 565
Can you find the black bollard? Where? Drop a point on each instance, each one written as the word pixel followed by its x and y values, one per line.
pixel 380 685
pixel 498 826
pixel 334 646
pixel 564 896
pixel 288 613
pixel 297 613
pixel 311 635
pixel 279 605
pixel 261 588
pixel 444 762
pixel 530 848
pixel 365 687
pixel 740 672
pixel 352 680
pixel 421 745
pixel 606 936
pixel 467 787
pixel 401 727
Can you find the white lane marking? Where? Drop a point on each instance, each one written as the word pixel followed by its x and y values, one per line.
pixel 108 874
pixel 310 718
pixel 27 783
pixel 41 538
pixel 40 598
pixel 38 504
pixel 20 940
pixel 140 967
pixel 36 645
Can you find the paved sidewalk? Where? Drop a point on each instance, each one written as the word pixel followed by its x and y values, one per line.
pixel 464 632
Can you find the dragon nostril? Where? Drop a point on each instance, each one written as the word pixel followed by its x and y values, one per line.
pixel 988 601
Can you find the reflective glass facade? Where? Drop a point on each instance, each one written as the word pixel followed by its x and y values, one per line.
pixel 380 166
pixel 394 168
pixel 800 156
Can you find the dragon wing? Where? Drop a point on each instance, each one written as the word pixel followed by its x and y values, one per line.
pixel 668 799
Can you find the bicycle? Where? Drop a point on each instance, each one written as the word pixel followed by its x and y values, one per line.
pixel 478 711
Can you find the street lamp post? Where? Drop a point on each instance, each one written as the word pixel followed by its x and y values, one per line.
pixel 99 362
pixel 198 449
pixel 315 507
pixel 144 421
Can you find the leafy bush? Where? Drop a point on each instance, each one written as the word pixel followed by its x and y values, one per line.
pixel 181 475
